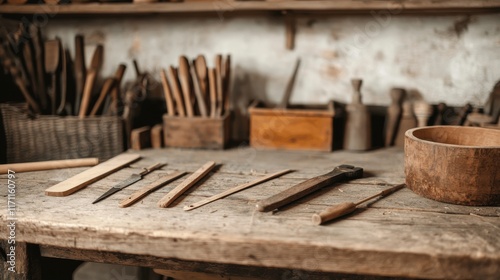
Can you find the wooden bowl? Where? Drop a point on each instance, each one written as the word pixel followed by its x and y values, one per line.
pixel 454 164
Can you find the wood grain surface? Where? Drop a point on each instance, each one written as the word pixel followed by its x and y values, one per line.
pixel 402 235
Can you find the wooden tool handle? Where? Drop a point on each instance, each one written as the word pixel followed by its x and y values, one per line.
pixel 87 92
pixel 219 86
pixel 106 89
pixel 151 168
pixel 150 188
pixel 213 92
pixel 179 103
pixel 186 84
pixel 199 95
pixel 297 191
pixel 48 165
pixel 289 86
pixel 167 93
pixel 333 212
pixel 186 184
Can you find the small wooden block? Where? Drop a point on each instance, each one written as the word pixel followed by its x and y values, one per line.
pixel 140 138
pixel 91 175
pixel 157 136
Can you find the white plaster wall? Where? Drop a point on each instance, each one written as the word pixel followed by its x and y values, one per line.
pixel 455 59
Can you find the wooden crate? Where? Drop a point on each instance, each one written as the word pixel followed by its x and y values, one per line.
pixel 292 129
pixel 196 132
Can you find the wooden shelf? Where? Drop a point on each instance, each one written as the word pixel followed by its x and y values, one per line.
pixel 221 6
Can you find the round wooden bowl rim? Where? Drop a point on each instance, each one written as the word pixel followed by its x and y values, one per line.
pixel 409 134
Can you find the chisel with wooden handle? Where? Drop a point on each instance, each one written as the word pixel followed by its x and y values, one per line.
pixel 132 179
pixel 338 174
pixel 345 208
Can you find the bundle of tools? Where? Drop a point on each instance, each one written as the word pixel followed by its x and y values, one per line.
pixel 202 91
pixel 51 81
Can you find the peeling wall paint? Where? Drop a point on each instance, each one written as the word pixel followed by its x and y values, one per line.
pixel 455 59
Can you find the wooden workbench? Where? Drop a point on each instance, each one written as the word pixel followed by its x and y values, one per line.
pixel 401 235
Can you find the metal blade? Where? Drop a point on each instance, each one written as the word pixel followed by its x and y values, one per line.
pixel 132 179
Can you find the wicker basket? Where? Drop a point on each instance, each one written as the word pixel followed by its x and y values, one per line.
pixel 52 137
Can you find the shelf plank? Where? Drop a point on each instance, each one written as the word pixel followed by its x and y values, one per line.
pixel 314 6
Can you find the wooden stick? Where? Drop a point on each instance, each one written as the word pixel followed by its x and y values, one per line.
pixel 213 92
pixel 168 94
pixel 200 99
pixel 236 189
pixel 345 208
pixel 91 175
pixel 179 103
pixel 138 195
pixel 186 184
pixel 47 165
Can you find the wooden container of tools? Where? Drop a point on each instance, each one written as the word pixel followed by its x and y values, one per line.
pixel 293 128
pixel 48 137
pixel 197 132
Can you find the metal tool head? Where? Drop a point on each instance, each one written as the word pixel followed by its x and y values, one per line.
pixel 351 171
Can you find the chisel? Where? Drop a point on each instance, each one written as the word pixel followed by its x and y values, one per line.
pixel 338 174
pixel 132 179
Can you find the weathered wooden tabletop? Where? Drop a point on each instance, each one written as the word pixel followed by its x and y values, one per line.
pixel 400 235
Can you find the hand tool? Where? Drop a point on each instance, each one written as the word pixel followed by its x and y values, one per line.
pixel 186 184
pixel 80 71
pixel 289 86
pixel 95 66
pixel 393 115
pixel 143 192
pixel 109 84
pixel 213 92
pixel 358 122
pixel 168 94
pixel 227 80
pixel 52 62
pixel 91 175
pixel 218 85
pixel 338 174
pixel 345 208
pixel 185 79
pixel 200 99
pixel 114 101
pixel 423 111
pixel 132 179
pixel 201 71
pixel 174 83
pixel 47 165
pixel 63 102
pixel 236 189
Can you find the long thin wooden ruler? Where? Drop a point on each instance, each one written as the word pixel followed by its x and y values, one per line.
pixel 138 195
pixel 236 189
pixel 186 184
pixel 91 175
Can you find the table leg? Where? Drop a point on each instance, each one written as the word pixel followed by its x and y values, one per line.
pixel 24 264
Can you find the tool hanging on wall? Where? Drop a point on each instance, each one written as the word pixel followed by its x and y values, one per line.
pixel 186 184
pixel 131 180
pixel 236 189
pixel 345 208
pixel 338 174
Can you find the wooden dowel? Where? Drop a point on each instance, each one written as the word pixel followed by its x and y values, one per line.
pixel 48 165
